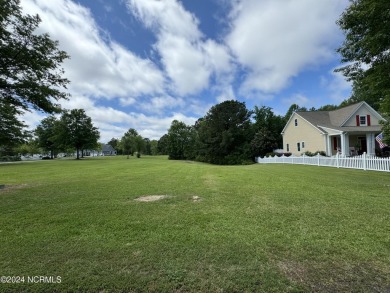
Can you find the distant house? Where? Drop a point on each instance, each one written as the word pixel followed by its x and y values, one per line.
pixel 348 131
pixel 108 150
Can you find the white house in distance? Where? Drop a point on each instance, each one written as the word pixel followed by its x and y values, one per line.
pixel 349 131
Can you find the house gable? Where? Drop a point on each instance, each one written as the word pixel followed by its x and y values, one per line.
pixel 299 134
pixel 363 115
pixel 300 119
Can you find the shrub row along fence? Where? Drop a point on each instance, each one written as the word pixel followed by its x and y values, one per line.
pixel 362 162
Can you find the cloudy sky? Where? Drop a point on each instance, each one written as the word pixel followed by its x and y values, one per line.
pixel 143 63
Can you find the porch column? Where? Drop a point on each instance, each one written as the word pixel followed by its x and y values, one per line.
pixel 328 146
pixel 370 144
pixel 343 145
pixel 346 148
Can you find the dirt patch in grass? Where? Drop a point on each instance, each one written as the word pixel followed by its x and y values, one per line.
pixel 148 198
pixel 294 271
pixel 336 277
pixel 195 198
pixel 4 188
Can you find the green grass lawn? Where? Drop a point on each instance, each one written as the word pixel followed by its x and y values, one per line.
pixel 257 228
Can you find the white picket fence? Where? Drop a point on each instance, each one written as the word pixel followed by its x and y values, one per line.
pixel 363 162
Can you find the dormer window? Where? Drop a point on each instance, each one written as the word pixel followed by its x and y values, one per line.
pixel 363 120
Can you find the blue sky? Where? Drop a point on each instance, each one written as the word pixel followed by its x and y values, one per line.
pixel 143 63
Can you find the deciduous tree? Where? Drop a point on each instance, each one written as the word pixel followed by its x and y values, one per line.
pixel 366 50
pixel 30 63
pixel 47 135
pixel 267 125
pixel 11 128
pixel 77 131
pixel 128 142
pixel 180 141
pixel 31 75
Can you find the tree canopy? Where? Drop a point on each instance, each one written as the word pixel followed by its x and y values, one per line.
pixel 76 130
pixel 180 141
pixel 31 75
pixel 47 135
pixel 224 133
pixel 30 65
pixel 366 50
pixel 11 129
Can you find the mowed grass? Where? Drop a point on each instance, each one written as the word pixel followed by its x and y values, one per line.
pixel 258 228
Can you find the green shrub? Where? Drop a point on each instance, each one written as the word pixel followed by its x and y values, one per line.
pixel 310 154
pixel 10 158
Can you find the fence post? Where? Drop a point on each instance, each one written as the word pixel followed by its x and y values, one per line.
pixel 318 159
pixel 364 161
pixel 337 160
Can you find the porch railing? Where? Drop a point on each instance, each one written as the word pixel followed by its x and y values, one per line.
pixel 363 162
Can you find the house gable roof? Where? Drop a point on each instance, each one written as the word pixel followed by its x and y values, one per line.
pixel 108 148
pixel 309 121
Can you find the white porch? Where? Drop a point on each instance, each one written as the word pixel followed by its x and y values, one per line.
pixel 350 143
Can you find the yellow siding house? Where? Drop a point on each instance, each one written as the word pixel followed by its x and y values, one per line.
pixel 348 131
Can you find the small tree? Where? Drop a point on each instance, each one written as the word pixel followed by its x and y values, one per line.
pixel 126 145
pixel 127 142
pixel 139 145
pixel 47 135
pixel 180 141
pixel 78 131
pixel 263 142
pixel 162 145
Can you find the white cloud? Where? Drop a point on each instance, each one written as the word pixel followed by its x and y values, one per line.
pixel 159 104
pixel 337 86
pixel 298 99
pixel 184 63
pixel 274 40
pixel 127 101
pixel 227 93
pixel 98 66
pixel 188 59
pixel 167 16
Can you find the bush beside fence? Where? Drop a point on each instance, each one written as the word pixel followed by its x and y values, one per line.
pixel 362 162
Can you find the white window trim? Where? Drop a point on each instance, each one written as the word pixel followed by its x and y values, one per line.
pixel 365 120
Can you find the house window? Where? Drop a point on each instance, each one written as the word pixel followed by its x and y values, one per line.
pixel 296 122
pixel 299 147
pixel 288 147
pixel 303 144
pixel 363 120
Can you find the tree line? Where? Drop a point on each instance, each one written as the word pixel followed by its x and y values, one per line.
pixel 229 134
pixel 133 143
